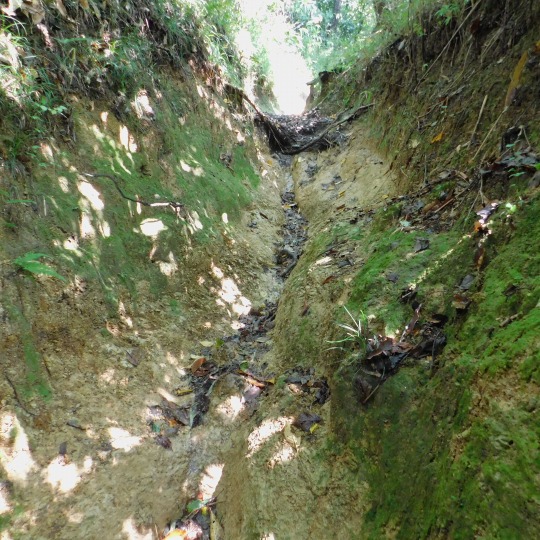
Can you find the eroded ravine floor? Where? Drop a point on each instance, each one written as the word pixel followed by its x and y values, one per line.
pixel 228 377
pixel 261 420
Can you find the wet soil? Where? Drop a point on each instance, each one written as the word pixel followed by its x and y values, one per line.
pixel 232 375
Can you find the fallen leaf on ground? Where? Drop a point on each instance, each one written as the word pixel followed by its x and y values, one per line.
pixel 197 364
pixel 486 212
pixel 479 257
pixel 305 421
pixel 163 441
pixel 461 302
pixel 466 282
pixel 134 356
pixel 61 8
pixel 74 423
pixel 177 534
pixel 438 138
pixel 384 344
pixel 183 391
pixel 516 78
pixel 412 323
pixel 421 244
pixel 255 382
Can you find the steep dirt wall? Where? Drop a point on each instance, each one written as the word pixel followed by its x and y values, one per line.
pixel 147 206
pixel 446 446
pixel 446 94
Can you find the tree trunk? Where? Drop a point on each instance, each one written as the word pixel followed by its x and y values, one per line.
pixel 378 6
pixel 337 12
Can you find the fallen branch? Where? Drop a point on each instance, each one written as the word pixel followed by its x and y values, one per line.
pixel 478 121
pixel 292 150
pixel 17 398
pixel 174 205
pixel 333 125
pixel 488 134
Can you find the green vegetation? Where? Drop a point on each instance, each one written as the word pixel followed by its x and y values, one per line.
pixel 436 469
pixel 29 262
pixel 445 442
pixel 355 334
pixel 35 382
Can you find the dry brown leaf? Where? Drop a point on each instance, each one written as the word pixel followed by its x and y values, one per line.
pixel 197 364
pixel 177 534
pixel 84 4
pixel 478 227
pixel 254 382
pixel 31 8
pixel 12 7
pixel 479 257
pixel 516 79
pixel 461 302
pixel 34 9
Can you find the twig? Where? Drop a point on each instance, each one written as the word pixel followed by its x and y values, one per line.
pixel 488 134
pixel 17 398
pixel 333 125
pixel 444 205
pixel 482 196
pixel 172 204
pixel 478 121
pixel 371 393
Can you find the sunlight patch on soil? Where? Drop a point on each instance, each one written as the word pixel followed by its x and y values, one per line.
pixel 263 432
pixel 5 505
pixel 92 203
pixel 229 293
pixel 210 480
pixel 66 476
pixel 15 457
pixel 130 530
pixel 122 439
pixel 231 407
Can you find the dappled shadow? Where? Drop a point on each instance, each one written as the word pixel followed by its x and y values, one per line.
pixel 115 339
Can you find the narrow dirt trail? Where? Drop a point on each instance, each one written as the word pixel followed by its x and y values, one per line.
pixel 253 456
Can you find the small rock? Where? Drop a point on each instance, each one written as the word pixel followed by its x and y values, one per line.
pixel 466 282
pixel 74 423
pixel 421 244
pixel 305 421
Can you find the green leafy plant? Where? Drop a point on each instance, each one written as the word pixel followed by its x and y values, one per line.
pixel 198 505
pixel 30 262
pixel 356 333
pixel 447 12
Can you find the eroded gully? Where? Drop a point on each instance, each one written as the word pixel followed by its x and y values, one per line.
pixel 228 379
